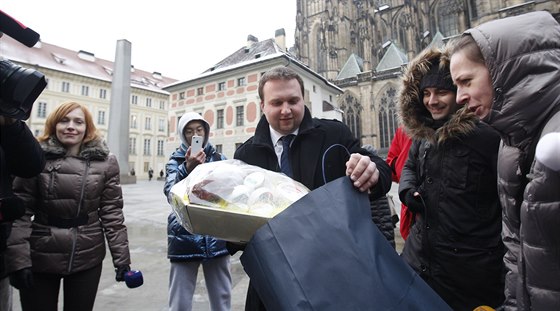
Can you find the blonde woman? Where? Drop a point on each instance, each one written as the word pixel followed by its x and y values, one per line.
pixel 72 207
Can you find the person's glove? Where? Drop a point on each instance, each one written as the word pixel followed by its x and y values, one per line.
pixel 413 202
pixel 22 279
pixel 120 272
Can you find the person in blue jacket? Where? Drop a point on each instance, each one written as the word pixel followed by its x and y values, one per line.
pixel 187 251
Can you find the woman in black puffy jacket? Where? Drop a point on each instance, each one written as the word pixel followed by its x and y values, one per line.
pixel 449 183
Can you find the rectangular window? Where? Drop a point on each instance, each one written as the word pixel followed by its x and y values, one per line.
pixel 134 99
pixel 148 123
pixel 162 104
pixel 102 93
pixel 42 110
pixel 133 122
pixel 200 91
pixel 221 86
pixel 241 81
pixel 101 117
pixel 161 125
pixel 147 147
pixel 148 102
pixel 239 116
pixel 65 87
pixel 160 147
pixel 182 95
pixel 146 166
pixel 220 119
pixel 132 145
pixel 85 90
pixel 218 148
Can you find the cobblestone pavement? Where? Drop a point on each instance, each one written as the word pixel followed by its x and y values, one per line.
pixel 146 211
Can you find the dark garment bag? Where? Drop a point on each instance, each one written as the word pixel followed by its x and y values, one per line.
pixel 325 253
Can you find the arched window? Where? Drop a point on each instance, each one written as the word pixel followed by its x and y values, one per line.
pixel 387 118
pixel 447 13
pixel 404 23
pixel 351 116
pixel 321 52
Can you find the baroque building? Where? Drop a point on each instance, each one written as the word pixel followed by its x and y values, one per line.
pixel 82 77
pixel 226 95
pixel 362 46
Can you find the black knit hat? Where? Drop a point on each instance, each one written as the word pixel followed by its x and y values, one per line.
pixel 440 79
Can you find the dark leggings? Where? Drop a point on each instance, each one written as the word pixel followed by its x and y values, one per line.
pixel 80 289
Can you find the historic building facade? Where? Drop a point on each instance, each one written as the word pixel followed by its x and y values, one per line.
pixel 363 45
pixel 226 95
pixel 81 77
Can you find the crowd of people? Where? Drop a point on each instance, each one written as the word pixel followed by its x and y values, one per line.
pixel 480 206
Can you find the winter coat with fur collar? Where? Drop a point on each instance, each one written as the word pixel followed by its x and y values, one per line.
pixel 72 207
pixel 524 66
pixel 455 244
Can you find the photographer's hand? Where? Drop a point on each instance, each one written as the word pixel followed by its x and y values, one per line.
pixel 192 161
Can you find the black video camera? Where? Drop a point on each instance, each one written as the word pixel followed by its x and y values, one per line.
pixel 19 87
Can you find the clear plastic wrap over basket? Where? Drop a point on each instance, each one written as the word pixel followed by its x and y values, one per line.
pixel 226 195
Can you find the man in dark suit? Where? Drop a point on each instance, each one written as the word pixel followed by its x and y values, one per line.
pixel 286 118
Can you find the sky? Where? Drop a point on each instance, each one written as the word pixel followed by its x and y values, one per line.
pixel 177 38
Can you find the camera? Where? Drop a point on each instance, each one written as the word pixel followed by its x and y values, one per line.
pixel 19 88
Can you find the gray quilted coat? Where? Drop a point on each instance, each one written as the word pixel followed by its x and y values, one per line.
pixel 523 56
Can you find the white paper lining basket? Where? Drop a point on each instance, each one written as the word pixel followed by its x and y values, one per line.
pixel 223 224
pixel 239 213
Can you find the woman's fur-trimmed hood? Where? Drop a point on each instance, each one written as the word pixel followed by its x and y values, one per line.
pixel 415 118
pixel 93 150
